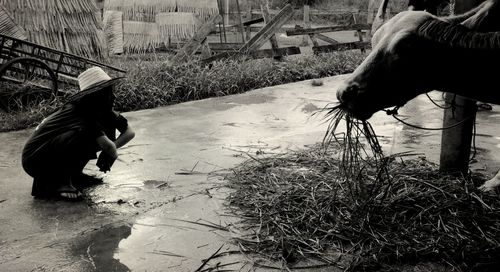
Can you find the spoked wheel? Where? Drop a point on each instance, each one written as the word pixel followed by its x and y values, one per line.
pixel 25 82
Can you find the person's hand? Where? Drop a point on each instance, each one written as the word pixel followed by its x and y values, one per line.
pixel 104 162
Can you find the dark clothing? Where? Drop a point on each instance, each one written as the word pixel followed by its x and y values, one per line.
pixel 64 142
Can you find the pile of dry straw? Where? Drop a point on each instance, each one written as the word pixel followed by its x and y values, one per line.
pixel 348 206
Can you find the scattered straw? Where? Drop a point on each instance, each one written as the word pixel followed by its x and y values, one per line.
pixel 334 205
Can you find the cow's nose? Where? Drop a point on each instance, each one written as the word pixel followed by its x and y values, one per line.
pixel 347 92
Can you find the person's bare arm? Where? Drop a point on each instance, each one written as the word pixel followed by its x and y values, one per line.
pixel 107 146
pixel 124 137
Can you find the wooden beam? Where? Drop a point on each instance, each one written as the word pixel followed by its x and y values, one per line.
pixel 313 39
pixel 317 30
pixel 325 38
pixel 248 22
pixel 240 22
pixel 268 30
pixel 195 43
pixel 312 12
pixel 359 32
pixel 340 47
pixel 213 47
pixel 267 18
pixel 225 46
pixel 253 21
pixel 307 24
pixel 205 49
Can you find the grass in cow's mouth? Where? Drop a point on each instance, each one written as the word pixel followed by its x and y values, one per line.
pixel 312 204
pixel 358 143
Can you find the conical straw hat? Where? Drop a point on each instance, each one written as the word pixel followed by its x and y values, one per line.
pixel 92 80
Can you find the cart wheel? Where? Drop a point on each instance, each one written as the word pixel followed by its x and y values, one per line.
pixel 25 82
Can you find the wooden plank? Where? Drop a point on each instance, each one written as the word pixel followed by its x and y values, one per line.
pixel 240 22
pixel 325 38
pixel 360 33
pixel 340 47
pixel 248 32
pixel 194 44
pixel 257 54
pixel 248 22
pixel 253 21
pixel 213 47
pixel 268 30
pixel 225 46
pixel 307 24
pixel 222 21
pixel 313 12
pixel 313 39
pixel 318 30
pixel 267 18
pixel 205 49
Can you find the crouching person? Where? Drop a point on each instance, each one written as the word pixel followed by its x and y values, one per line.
pixel 66 140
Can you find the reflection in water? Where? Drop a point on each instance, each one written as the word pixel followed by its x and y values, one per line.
pixel 99 248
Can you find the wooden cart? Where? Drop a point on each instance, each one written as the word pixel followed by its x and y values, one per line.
pixel 30 73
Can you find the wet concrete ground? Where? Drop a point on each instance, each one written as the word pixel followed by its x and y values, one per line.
pixel 161 207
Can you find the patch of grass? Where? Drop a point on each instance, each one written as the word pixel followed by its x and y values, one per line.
pixel 152 81
pixel 28 116
pixel 157 83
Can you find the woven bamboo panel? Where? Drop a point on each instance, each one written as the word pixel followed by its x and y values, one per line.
pixel 140 10
pixel 202 8
pixel 113 31
pixel 140 37
pixel 9 27
pixel 181 25
pixel 69 25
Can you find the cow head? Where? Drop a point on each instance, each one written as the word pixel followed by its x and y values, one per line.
pixel 405 56
pixel 378 81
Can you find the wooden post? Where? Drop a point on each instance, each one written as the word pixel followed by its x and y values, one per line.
pixel 268 30
pixel 219 5
pixel 456 142
pixel 307 24
pixel 240 22
pixel 205 50
pixel 360 33
pixel 264 7
pixel 199 37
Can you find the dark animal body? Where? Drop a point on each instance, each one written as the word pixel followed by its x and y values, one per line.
pixel 416 52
